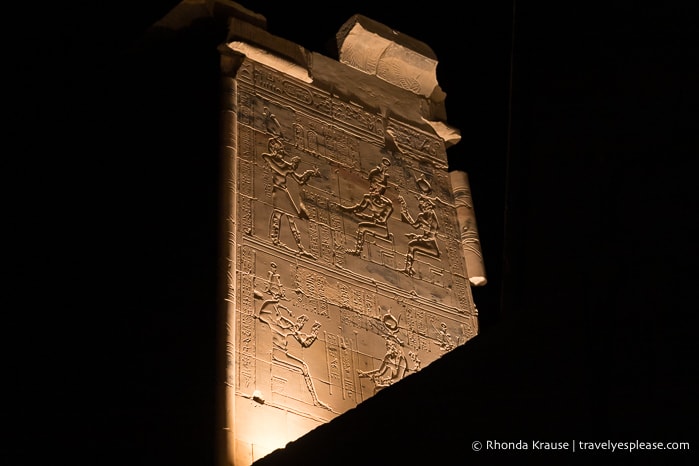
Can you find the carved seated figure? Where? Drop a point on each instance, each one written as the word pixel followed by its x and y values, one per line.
pixel 392 369
pixel 426 242
pixel 373 210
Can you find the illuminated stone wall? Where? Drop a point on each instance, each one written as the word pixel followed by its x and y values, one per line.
pixel 346 263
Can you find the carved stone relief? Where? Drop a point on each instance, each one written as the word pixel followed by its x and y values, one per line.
pixel 347 271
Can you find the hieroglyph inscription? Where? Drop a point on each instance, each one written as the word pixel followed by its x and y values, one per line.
pixel 347 263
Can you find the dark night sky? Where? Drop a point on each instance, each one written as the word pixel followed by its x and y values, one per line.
pixel 581 170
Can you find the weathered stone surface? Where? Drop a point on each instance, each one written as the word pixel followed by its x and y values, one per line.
pixel 470 239
pixel 346 264
pixel 387 54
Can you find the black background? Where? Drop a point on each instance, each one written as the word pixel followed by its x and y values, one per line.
pixel 579 135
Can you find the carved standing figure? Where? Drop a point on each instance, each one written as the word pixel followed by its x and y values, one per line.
pixel 282 169
pixel 284 330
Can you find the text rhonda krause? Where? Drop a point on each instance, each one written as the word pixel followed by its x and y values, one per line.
pixel 527 445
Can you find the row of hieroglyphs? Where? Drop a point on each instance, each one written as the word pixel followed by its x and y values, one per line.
pixel 325 107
